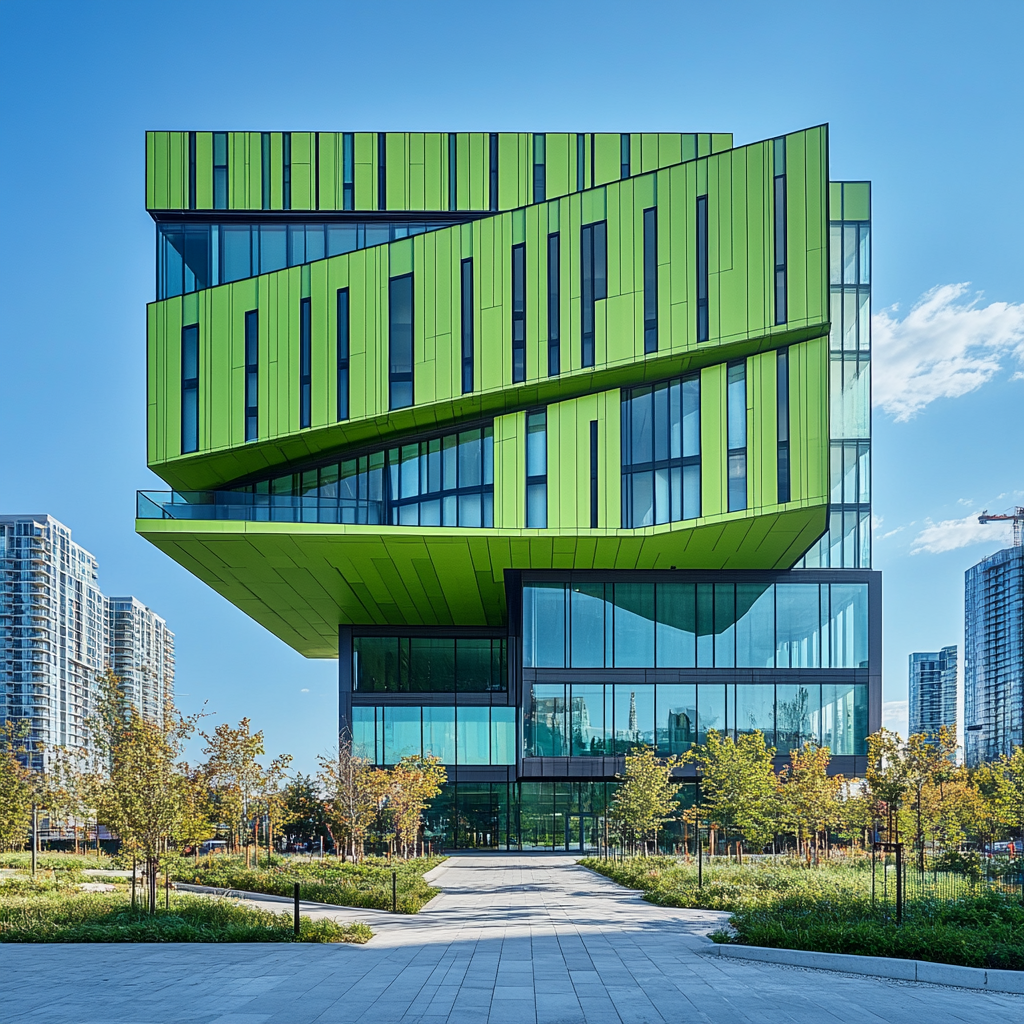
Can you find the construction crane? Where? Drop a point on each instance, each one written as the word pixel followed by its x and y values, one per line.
pixel 1017 518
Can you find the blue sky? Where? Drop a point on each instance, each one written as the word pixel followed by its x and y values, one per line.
pixel 924 100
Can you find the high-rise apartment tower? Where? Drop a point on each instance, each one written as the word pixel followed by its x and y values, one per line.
pixel 559 442
pixel 933 691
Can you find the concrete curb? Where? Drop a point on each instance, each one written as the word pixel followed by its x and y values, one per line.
pixel 878 967
pixel 244 894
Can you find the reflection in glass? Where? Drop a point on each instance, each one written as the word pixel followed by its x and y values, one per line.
pixel 676 728
pixel 439 733
pixel 755 710
pixel 676 626
pixel 705 625
pixel 588 614
pixel 725 625
pixel 544 723
pixel 799 715
pixel 710 710
pixel 755 625
pixel 634 624
pixel 798 619
pixel 634 716
pixel 503 735
pixel 587 720
pixel 849 625
pixel 838 717
pixel 544 625
pixel 363 733
pixel 401 733
pixel 472 735
pixel 431 664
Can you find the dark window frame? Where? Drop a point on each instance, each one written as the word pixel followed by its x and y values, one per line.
pixel 191 170
pixel 539 167
pixel 382 170
pixel 736 455
pixel 492 169
pixel 650 280
pixel 593 285
pixel 581 161
pixel 265 148
pixel 703 306
pixel 343 328
pixel 779 233
pixel 453 171
pixel 466 306
pixel 625 159
pixel 348 183
pixel 594 492
pixel 401 377
pixel 221 177
pixel 189 389
pixel 518 305
pixel 286 170
pixel 537 479
pixel 252 368
pixel 305 363
pixel 554 305
pixel 782 425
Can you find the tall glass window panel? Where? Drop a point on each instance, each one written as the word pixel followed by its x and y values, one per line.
pixel 343 328
pixel 467 325
pixel 755 710
pixel 634 716
pixel 191 170
pixel 305 363
pixel 725 625
pixel 364 733
pixel 705 625
pixel 594 491
pixel 838 717
pixel 382 171
pixel 587 603
pixel 782 421
pixel 431 665
pixel 755 625
pixel 539 169
pixel 453 169
pixel 710 710
pixel 474 665
pixel 220 170
pixel 472 735
pixel 375 664
pixel 676 725
pixel 798 626
pixel 737 431
pixel 402 733
pixel 190 389
pixel 286 170
pixel 703 319
pixel 587 720
pixel 545 727
pixel 252 348
pixel 518 313
pixel 492 164
pixel 624 159
pixel 544 618
pixel 848 625
pixel 503 735
pixel 536 470
pixel 798 712
pixel 400 341
pixel 676 630
pixel 634 625
pixel 651 280
pixel 554 307
pixel 581 161
pixel 850 397
pixel 348 187
pixel 594 274
pixel 779 147
pixel 439 733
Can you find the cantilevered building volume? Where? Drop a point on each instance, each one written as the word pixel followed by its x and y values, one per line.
pixel 559 443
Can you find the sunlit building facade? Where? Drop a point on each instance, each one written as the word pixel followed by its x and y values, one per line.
pixel 933 692
pixel 559 443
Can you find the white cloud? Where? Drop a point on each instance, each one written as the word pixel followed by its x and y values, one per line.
pixel 944 347
pixel 951 534
pixel 303 691
pixel 896 716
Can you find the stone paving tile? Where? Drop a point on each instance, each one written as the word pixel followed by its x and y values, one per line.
pixel 514 939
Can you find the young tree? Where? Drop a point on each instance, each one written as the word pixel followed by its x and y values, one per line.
pixel 195 822
pixel 737 785
pixel 414 782
pixel 304 817
pixel 887 777
pixel 808 795
pixel 353 795
pixel 646 798
pixel 16 786
pixel 1009 771
pixel 273 797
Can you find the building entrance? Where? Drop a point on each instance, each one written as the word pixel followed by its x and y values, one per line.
pixel 583 832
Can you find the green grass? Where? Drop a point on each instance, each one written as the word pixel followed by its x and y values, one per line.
pixel 60 861
pixel 829 909
pixel 44 911
pixel 367 884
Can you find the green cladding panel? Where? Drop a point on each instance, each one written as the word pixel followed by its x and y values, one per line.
pixel 301 580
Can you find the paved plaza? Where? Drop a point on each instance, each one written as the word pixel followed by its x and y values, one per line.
pixel 514 939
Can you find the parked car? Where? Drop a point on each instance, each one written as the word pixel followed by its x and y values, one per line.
pixel 214 846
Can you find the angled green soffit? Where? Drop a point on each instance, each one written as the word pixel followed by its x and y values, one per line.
pixel 419 171
pixel 301 580
pixel 739 189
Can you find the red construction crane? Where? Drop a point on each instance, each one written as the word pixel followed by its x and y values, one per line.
pixel 1017 518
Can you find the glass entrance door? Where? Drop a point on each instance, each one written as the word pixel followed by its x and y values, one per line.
pixel 581 833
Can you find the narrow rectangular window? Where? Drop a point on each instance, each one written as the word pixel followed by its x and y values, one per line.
pixel 493 168
pixel 539 168
pixel 624 155
pixel 265 169
pixel 703 323
pixel 780 231
pixel 286 170
pixel 453 171
pixel 191 170
pixel 467 326
pixel 651 280
pixel 537 470
pixel 581 162
pixel 343 350
pixel 348 181
pixel 736 403
pixel 190 389
pixel 382 171
pixel 518 313
pixel 593 159
pixel 400 341
pixel 220 170
pixel 593 474
pixel 305 364
pixel 252 361
pixel 782 408
pixel 594 278
pixel 554 307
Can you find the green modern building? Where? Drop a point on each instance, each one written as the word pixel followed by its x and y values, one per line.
pixel 559 443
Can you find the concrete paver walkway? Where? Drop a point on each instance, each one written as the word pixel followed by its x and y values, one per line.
pixel 522 939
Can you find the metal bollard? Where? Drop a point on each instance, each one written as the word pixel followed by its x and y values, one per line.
pixel 394 891
pixel 296 909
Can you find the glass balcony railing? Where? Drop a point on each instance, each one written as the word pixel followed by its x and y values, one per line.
pixel 259 508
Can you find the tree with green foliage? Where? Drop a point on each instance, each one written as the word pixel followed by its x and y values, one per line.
pixel 304 818
pixel 17 788
pixel 354 795
pixel 808 796
pixel 737 785
pixel 887 777
pixel 413 783
pixel 1009 794
pixel 646 797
